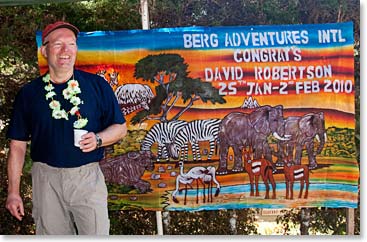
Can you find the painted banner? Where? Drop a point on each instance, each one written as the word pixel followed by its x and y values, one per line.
pixel 229 117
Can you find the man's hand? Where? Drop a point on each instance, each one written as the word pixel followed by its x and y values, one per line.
pixel 88 142
pixel 109 136
pixel 15 206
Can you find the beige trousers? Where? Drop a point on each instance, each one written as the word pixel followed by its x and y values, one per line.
pixel 69 200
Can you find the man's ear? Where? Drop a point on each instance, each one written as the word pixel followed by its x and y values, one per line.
pixel 43 51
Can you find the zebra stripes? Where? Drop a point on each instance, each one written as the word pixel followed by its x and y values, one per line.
pixel 163 134
pixel 193 132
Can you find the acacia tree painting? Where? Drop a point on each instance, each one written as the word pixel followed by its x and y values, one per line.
pixel 169 71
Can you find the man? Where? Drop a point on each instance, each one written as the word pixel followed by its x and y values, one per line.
pixel 69 191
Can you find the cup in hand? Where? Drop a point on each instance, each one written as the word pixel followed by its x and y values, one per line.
pixel 78 133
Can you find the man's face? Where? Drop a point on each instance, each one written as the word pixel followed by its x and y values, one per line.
pixel 60 49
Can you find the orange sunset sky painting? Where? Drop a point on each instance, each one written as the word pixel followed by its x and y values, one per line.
pixel 337 106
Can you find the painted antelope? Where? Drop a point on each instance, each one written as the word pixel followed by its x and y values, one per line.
pixel 256 168
pixel 292 173
pixel 113 78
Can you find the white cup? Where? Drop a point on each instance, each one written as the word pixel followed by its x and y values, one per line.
pixel 78 133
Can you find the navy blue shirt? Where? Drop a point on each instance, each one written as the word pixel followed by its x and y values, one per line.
pixel 52 140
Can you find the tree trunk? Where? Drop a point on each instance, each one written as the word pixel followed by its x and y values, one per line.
pixel 305 221
pixel 233 222
pixel 166 222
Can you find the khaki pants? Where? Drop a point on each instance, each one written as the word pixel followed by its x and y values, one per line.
pixel 69 200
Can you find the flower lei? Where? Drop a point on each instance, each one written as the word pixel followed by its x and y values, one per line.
pixel 69 93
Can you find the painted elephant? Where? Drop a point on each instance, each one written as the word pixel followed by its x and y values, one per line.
pixel 303 131
pixel 239 130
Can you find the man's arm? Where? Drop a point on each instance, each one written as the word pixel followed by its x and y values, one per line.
pixel 16 157
pixel 109 136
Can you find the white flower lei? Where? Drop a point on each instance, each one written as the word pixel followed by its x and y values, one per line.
pixel 69 93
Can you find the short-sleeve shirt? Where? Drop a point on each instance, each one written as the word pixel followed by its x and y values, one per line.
pixel 52 140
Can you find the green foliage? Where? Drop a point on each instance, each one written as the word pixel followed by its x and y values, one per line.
pixel 322 220
pixel 170 72
pixel 10 225
pixel 133 222
pixel 113 188
pixel 172 13
pixel 210 222
pixel 154 106
pixel 94 15
pixel 289 219
pixel 151 66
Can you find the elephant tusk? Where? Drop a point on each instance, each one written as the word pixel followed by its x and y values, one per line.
pixel 318 138
pixel 276 135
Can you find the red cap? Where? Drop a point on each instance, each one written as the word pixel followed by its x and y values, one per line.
pixel 58 25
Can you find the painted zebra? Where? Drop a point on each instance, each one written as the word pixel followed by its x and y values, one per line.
pixel 163 134
pixel 195 131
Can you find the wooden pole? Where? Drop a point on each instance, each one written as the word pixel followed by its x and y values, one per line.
pixel 350 221
pixel 144 14
pixel 158 215
pixel 145 25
